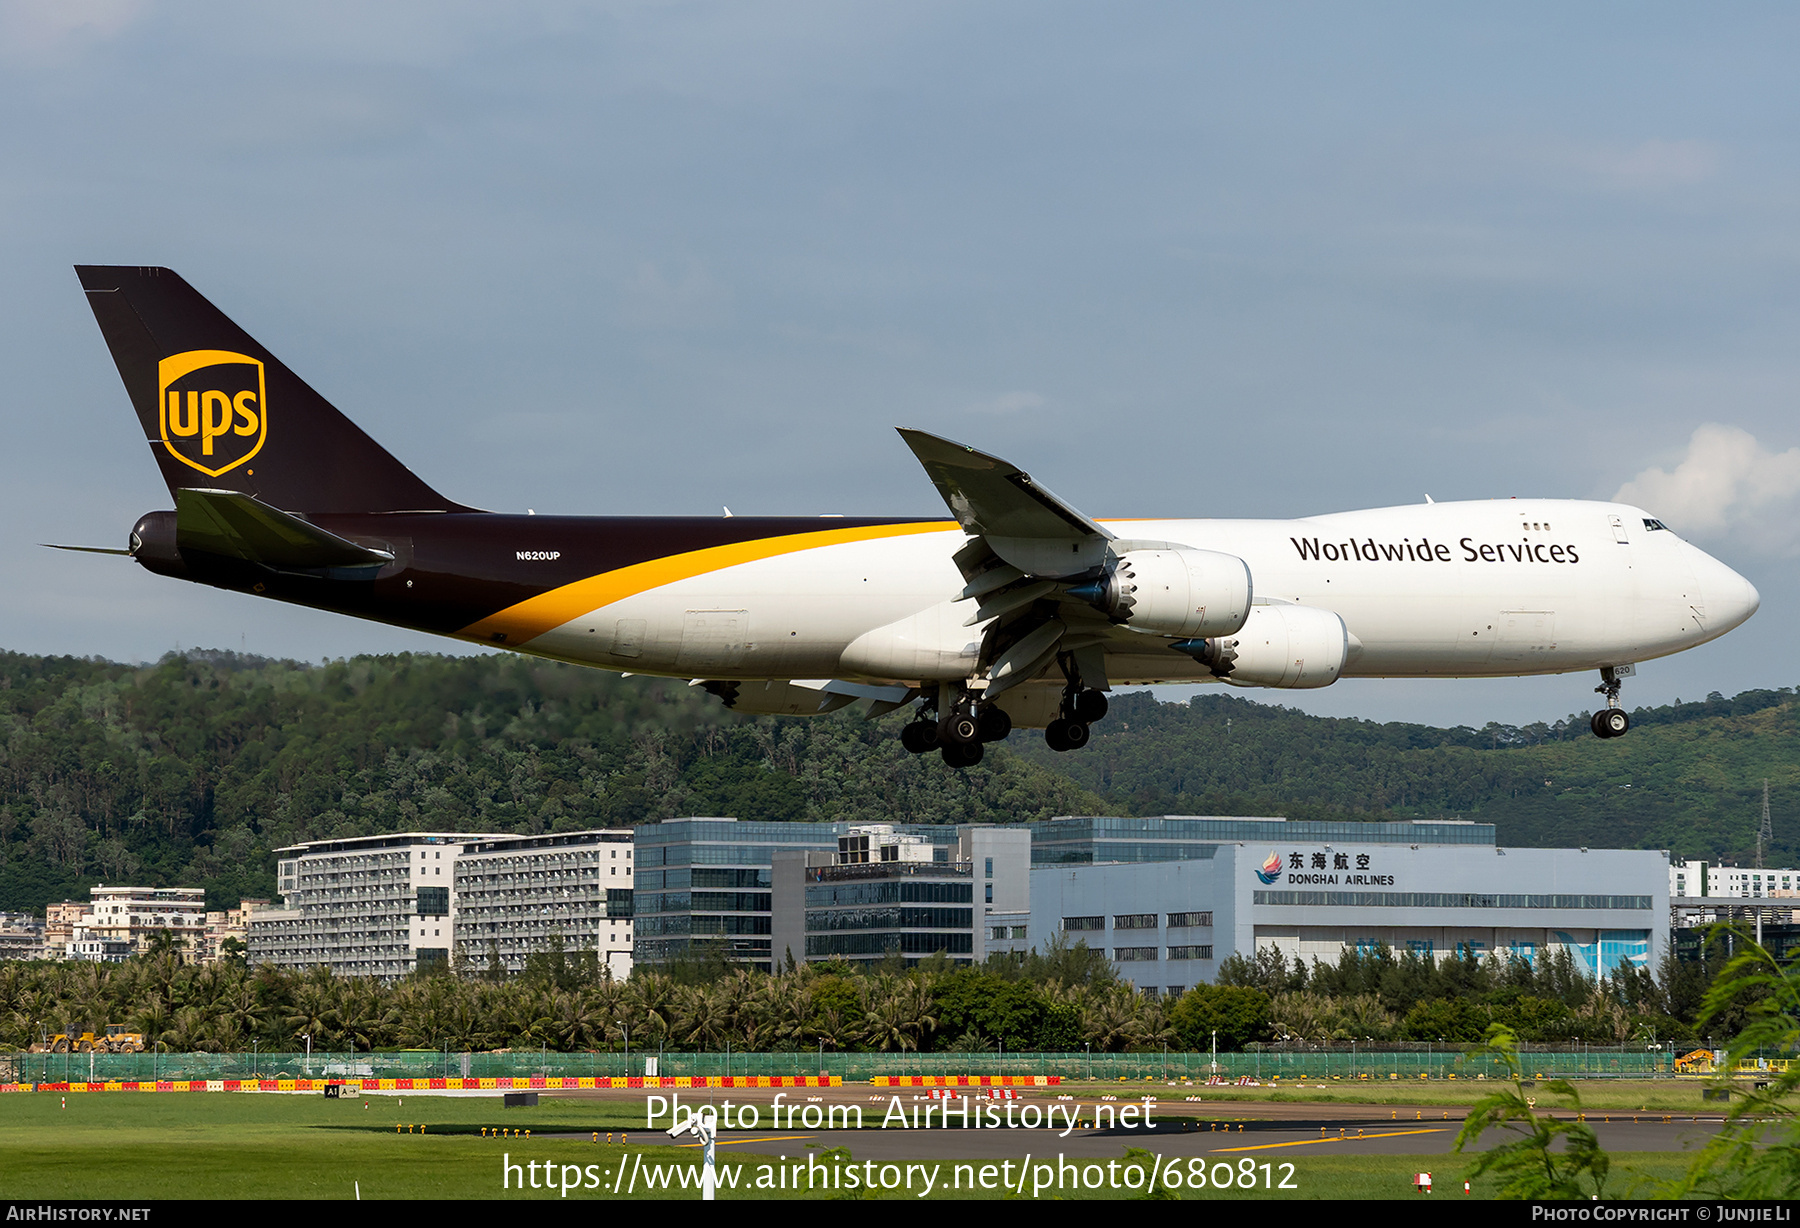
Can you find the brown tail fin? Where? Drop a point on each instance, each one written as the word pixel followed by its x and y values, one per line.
pixel 222 413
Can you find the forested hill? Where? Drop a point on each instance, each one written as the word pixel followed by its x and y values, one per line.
pixel 192 771
pixel 1688 777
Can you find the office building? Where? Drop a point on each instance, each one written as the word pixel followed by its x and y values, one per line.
pixel 1313 890
pixel 889 892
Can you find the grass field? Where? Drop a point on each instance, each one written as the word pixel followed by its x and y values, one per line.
pixel 263 1146
pixel 1678 1095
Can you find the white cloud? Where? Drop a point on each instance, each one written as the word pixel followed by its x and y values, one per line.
pixel 1643 166
pixel 1727 486
pixel 35 26
pixel 1655 164
pixel 1015 402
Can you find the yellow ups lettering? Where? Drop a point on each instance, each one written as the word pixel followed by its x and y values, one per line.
pixel 215 408
pixel 212 428
pixel 178 423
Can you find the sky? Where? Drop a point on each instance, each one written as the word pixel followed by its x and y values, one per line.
pixel 1174 259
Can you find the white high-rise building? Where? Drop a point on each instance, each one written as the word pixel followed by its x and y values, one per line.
pixel 512 893
pixel 387 906
pixel 1702 879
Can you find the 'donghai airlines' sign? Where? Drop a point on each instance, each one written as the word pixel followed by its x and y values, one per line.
pixel 1322 869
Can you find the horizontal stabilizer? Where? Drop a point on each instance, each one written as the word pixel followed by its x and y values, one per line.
pixel 87 549
pixel 235 525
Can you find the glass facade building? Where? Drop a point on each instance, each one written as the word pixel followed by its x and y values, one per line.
pixel 864 913
pixel 1097 839
pixel 703 884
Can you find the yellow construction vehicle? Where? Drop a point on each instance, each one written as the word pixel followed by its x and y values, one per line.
pixel 118 1040
pixel 1699 1061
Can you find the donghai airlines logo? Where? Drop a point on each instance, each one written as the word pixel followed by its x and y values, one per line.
pixel 214 413
pixel 1271 869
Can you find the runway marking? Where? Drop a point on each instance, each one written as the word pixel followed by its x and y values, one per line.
pixel 733 1142
pixel 1313 1142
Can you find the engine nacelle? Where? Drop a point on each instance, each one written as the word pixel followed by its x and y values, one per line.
pixel 1175 591
pixel 1296 647
pixel 153 545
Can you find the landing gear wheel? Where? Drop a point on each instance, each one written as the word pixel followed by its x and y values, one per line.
pixel 1611 722
pixel 995 724
pixel 1090 706
pixel 963 728
pixel 920 736
pixel 961 756
pixel 1062 734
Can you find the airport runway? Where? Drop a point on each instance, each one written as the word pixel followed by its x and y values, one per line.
pixel 1269 1140
pixel 1274 1131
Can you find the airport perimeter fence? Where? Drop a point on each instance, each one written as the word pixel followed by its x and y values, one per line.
pixel 1297 1065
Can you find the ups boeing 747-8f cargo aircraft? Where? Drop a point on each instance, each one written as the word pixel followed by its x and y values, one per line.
pixel 1017 611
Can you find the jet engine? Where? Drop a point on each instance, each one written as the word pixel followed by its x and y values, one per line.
pixel 1174 591
pixel 1296 647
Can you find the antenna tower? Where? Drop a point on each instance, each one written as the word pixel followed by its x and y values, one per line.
pixel 1765 835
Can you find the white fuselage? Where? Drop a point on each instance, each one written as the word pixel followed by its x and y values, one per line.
pixel 1503 587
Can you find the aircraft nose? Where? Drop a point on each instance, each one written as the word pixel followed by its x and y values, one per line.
pixel 1729 598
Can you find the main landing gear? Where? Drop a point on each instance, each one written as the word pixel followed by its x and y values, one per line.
pixel 961 734
pixel 1611 721
pixel 1080 708
pixel 959 725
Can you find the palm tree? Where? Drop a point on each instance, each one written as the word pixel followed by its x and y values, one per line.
pixel 363 1018
pixel 573 1021
pixel 1112 1021
pixel 649 1004
pixel 310 1011
pixel 152 1019
pixel 700 1019
pixel 898 1012
pixel 1362 1015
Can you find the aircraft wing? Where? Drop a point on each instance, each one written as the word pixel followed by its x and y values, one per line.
pixel 1024 523
pixel 1026 549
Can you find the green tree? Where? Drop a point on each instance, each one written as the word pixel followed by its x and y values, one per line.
pixel 1238 1014
pixel 1757 1153
pixel 1530 1165
pixel 163 944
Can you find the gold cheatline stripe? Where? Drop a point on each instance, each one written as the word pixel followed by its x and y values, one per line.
pixel 532 617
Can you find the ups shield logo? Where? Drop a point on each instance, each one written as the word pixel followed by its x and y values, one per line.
pixel 214 413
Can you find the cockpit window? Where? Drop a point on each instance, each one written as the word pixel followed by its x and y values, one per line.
pixel 1654 525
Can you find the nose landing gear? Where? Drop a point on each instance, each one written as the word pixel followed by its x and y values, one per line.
pixel 1611 721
